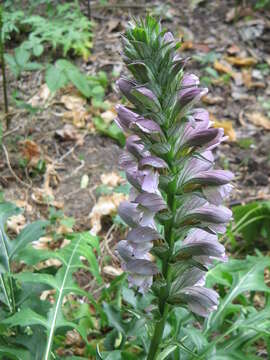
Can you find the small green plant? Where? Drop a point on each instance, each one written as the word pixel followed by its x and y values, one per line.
pixel 20 62
pixel 25 318
pixel 68 29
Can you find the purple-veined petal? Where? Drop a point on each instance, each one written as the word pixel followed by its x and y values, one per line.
pixel 143 234
pixel 203 137
pixel 140 281
pixel 125 250
pixel 129 213
pixel 141 250
pixel 168 37
pixel 135 146
pixel 217 194
pixel 212 214
pixel 148 218
pixel 190 277
pixel 126 86
pixel 148 126
pixel 211 249
pixel 200 300
pixel 125 117
pixel 213 177
pixel 217 140
pixel 153 161
pixel 190 95
pixel 150 181
pixel 189 82
pixel 147 93
pixel 128 162
pixel 152 202
pixel 201 115
pixel 135 178
pixel 141 267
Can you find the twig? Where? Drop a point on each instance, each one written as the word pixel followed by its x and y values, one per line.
pixel 120 6
pixel 89 9
pixel 107 239
pixel 3 68
pixel 7 133
pixel 11 170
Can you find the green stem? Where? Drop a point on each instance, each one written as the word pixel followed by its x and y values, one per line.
pixel 5 292
pixel 163 306
pixel 3 67
pixel 157 337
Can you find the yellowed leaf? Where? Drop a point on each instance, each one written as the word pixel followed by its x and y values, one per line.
pixel 247 78
pixel 16 223
pixel 40 97
pixel 248 61
pixel 223 68
pixel 73 102
pixel 233 49
pixel 70 133
pixel 259 119
pixel 106 205
pixel 42 243
pixel 108 116
pixel 111 179
pixel 31 152
pixel 212 100
pixel 227 126
pixel 186 45
pixel 112 271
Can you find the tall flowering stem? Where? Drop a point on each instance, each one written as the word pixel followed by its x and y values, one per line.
pixel 175 210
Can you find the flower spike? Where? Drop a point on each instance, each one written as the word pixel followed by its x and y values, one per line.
pixel 175 209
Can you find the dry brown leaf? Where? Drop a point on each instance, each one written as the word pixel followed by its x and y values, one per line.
pixel 16 223
pixel 48 295
pixel 106 205
pixel 69 133
pixel 73 338
pixel 247 78
pixel 108 116
pixel 227 126
pixel 222 67
pixel 63 229
pixel 212 100
pixel 31 152
pixel 237 61
pixel 259 119
pixel 45 197
pixel 186 45
pixel 78 117
pixel 42 243
pixel 111 179
pixel 112 24
pixel 51 178
pixel 73 102
pixel 24 205
pixel 189 45
pixel 40 98
pixel 112 271
pixel 233 49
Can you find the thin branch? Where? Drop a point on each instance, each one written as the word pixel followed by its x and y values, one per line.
pixel 11 170
pixel 122 6
pixel 3 67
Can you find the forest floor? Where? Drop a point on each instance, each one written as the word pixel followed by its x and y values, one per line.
pixel 228 48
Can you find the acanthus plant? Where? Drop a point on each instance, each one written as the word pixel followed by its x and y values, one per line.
pixel 175 210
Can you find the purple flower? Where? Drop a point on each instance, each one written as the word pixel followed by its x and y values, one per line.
pixel 168 37
pixel 169 163
pixel 125 117
pixel 126 86
pixel 199 300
